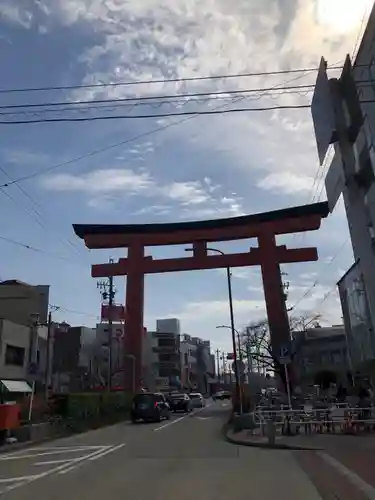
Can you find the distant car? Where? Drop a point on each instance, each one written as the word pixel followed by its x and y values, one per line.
pixel 179 402
pixel 197 400
pixel 150 406
pixel 222 395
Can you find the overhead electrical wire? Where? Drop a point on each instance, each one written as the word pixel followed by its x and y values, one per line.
pixel 129 140
pixel 164 96
pixel 73 311
pixel 317 281
pixel 164 80
pixel 32 248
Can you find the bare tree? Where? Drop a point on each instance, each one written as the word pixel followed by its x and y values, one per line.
pixel 256 342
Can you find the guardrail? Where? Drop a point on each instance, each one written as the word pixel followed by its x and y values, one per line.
pixel 310 420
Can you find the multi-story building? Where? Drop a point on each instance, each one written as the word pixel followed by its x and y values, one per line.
pixel 344 115
pixel 197 364
pixel 321 352
pixel 117 351
pixel 19 301
pixel 357 320
pixel 73 358
pixel 15 352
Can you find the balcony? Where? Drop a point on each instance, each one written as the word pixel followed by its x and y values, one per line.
pixel 166 349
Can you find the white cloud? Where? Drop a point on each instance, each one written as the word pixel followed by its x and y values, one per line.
pixel 195 198
pixel 15 14
pixel 101 181
pixel 286 182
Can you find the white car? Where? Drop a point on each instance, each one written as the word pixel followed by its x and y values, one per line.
pixel 196 400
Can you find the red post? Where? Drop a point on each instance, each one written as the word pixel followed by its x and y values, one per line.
pixel 134 319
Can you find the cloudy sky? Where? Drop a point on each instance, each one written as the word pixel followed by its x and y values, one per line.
pixel 166 168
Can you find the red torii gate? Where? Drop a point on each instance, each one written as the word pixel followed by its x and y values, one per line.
pixel 264 226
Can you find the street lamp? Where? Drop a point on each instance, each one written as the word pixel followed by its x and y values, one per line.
pixel 237 375
pixel 230 298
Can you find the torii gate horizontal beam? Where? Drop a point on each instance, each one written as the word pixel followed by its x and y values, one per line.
pixel 182 236
pixel 251 258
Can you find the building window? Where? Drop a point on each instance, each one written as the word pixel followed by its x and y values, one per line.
pixel 14 355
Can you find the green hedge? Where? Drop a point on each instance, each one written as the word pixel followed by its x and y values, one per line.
pixel 82 410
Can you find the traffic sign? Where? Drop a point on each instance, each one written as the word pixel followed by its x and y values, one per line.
pixel 284 356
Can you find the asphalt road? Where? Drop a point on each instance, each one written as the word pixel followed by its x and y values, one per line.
pixel 185 458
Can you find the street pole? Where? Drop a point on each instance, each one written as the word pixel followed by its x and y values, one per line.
pixel 218 364
pixel 110 330
pixel 233 329
pixel 33 358
pixel 108 292
pixel 48 355
pixel 287 386
pixel 224 369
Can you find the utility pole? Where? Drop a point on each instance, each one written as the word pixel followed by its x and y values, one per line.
pixel 108 292
pixel 48 350
pixel 218 364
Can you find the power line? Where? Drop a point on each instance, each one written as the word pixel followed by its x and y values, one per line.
pixel 158 115
pixel 317 281
pixel 115 145
pixel 164 80
pixel 186 96
pixel 32 248
pixel 74 311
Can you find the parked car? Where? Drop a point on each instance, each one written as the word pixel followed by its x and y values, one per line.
pixel 150 406
pixel 179 402
pixel 197 400
pixel 222 395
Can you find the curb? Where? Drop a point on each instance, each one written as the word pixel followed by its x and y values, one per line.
pixel 254 444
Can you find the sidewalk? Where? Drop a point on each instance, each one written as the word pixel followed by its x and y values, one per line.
pixel 355 453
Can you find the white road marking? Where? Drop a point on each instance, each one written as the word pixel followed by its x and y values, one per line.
pixel 63 461
pixel 59 469
pixel 172 422
pixel 111 450
pixel 92 456
pixel 44 453
pixel 352 476
pixel 17 479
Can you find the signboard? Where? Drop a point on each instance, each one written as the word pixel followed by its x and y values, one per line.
pixel 230 356
pixel 116 312
pixel 284 356
pixel 323 114
pixel 241 367
pixel 335 180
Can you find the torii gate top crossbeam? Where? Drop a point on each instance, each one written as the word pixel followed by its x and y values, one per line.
pixel 285 221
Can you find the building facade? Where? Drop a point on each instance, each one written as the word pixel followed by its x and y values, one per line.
pixel 73 359
pixel 19 301
pixel 345 117
pixel 197 364
pixel 15 352
pixel 321 351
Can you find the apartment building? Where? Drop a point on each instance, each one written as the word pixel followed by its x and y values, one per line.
pixel 19 301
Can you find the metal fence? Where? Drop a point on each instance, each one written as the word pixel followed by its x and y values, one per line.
pixel 308 420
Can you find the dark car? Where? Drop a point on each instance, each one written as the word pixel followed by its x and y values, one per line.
pixel 222 395
pixel 179 402
pixel 149 406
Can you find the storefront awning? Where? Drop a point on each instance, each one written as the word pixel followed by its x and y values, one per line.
pixel 16 386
